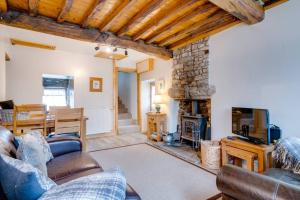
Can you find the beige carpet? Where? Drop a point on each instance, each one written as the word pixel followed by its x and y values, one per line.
pixel 108 142
pixel 156 175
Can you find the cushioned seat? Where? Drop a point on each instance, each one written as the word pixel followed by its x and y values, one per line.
pixel 68 164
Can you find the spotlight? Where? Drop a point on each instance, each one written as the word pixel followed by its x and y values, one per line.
pixel 126 52
pixel 115 49
pixel 108 49
pixel 97 48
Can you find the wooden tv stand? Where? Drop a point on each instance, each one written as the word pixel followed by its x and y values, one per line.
pixel 244 150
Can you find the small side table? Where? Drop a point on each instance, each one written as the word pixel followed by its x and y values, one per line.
pixel 157 122
pixel 246 150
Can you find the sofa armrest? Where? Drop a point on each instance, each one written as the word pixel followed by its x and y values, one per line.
pixel 64 144
pixel 240 183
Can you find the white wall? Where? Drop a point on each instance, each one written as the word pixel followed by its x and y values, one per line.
pixel 24 81
pixel 2 71
pixel 162 70
pixel 258 66
pixel 127 89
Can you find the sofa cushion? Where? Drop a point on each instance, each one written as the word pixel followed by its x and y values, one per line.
pixel 31 151
pixel 39 140
pixel 21 180
pixel 78 175
pixel 103 185
pixel 68 164
pixel 131 194
pixel 7 138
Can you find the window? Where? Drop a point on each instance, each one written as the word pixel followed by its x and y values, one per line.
pixel 55 97
pixel 152 95
pixel 58 91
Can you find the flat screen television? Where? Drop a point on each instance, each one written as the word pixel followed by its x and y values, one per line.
pixel 251 124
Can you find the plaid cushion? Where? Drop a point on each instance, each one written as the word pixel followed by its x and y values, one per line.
pixel 104 186
pixel 287 154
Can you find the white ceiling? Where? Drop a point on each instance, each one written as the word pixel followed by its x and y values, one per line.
pixel 65 44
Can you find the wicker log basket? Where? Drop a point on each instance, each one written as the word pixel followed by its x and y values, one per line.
pixel 211 154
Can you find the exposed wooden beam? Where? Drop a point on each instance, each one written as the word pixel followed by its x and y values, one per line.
pixel 183 22
pixel 65 9
pixel 210 29
pixel 33 7
pixel 3 6
pixel 98 5
pixel 111 39
pixel 7 58
pixel 179 11
pixel 47 25
pixel 248 11
pixel 154 7
pixel 123 8
pixel 219 28
pixel 273 3
pixel 14 41
pixel 198 26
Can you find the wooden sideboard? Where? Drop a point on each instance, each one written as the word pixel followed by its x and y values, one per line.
pixel 242 149
pixel 157 122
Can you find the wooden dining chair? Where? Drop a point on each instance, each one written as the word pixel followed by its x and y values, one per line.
pixel 69 122
pixel 29 117
pixel 52 109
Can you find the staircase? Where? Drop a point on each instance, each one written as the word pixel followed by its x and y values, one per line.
pixel 126 123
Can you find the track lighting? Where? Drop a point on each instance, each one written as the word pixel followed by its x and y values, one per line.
pixel 126 52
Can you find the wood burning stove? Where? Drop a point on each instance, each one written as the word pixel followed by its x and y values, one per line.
pixel 193 129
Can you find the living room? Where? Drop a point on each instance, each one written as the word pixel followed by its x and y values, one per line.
pixel 190 72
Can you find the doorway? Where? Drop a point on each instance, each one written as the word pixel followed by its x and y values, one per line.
pixel 127 99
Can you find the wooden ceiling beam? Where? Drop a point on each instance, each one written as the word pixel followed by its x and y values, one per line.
pixel 33 7
pixel 196 37
pixel 206 31
pixel 198 26
pixel 248 11
pixel 65 9
pixel 96 8
pixel 49 26
pixel 14 41
pixel 150 9
pixel 170 17
pixel 273 3
pixel 183 22
pixel 111 19
pixel 3 6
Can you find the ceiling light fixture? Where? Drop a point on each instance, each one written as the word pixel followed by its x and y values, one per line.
pixel 126 52
pixel 108 49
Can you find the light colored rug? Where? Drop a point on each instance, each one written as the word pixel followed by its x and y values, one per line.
pixel 108 142
pixel 155 174
pixel 182 151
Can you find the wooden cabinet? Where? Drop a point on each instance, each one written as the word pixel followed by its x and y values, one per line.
pixel 157 123
pixel 247 151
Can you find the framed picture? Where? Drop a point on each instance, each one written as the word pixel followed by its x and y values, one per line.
pixel 160 86
pixel 96 84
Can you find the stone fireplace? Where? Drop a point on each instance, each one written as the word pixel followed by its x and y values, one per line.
pixel 190 83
